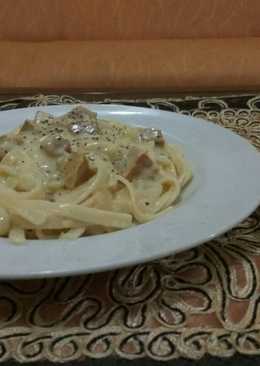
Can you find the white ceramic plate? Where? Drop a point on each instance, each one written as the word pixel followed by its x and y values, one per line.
pixel 225 190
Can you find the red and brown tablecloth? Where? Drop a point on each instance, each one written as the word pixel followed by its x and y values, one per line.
pixel 202 301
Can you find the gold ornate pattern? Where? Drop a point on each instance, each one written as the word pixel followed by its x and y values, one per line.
pixel 202 301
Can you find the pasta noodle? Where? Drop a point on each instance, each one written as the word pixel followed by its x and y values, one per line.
pixel 76 174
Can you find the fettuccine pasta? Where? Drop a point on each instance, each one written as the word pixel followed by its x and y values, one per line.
pixel 76 175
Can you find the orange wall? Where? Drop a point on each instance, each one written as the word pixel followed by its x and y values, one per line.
pixel 36 20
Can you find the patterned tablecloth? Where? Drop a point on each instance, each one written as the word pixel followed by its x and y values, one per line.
pixel 205 300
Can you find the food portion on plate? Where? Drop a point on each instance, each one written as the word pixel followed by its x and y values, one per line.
pixel 76 175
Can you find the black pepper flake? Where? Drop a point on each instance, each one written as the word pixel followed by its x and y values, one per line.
pixel 147 203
